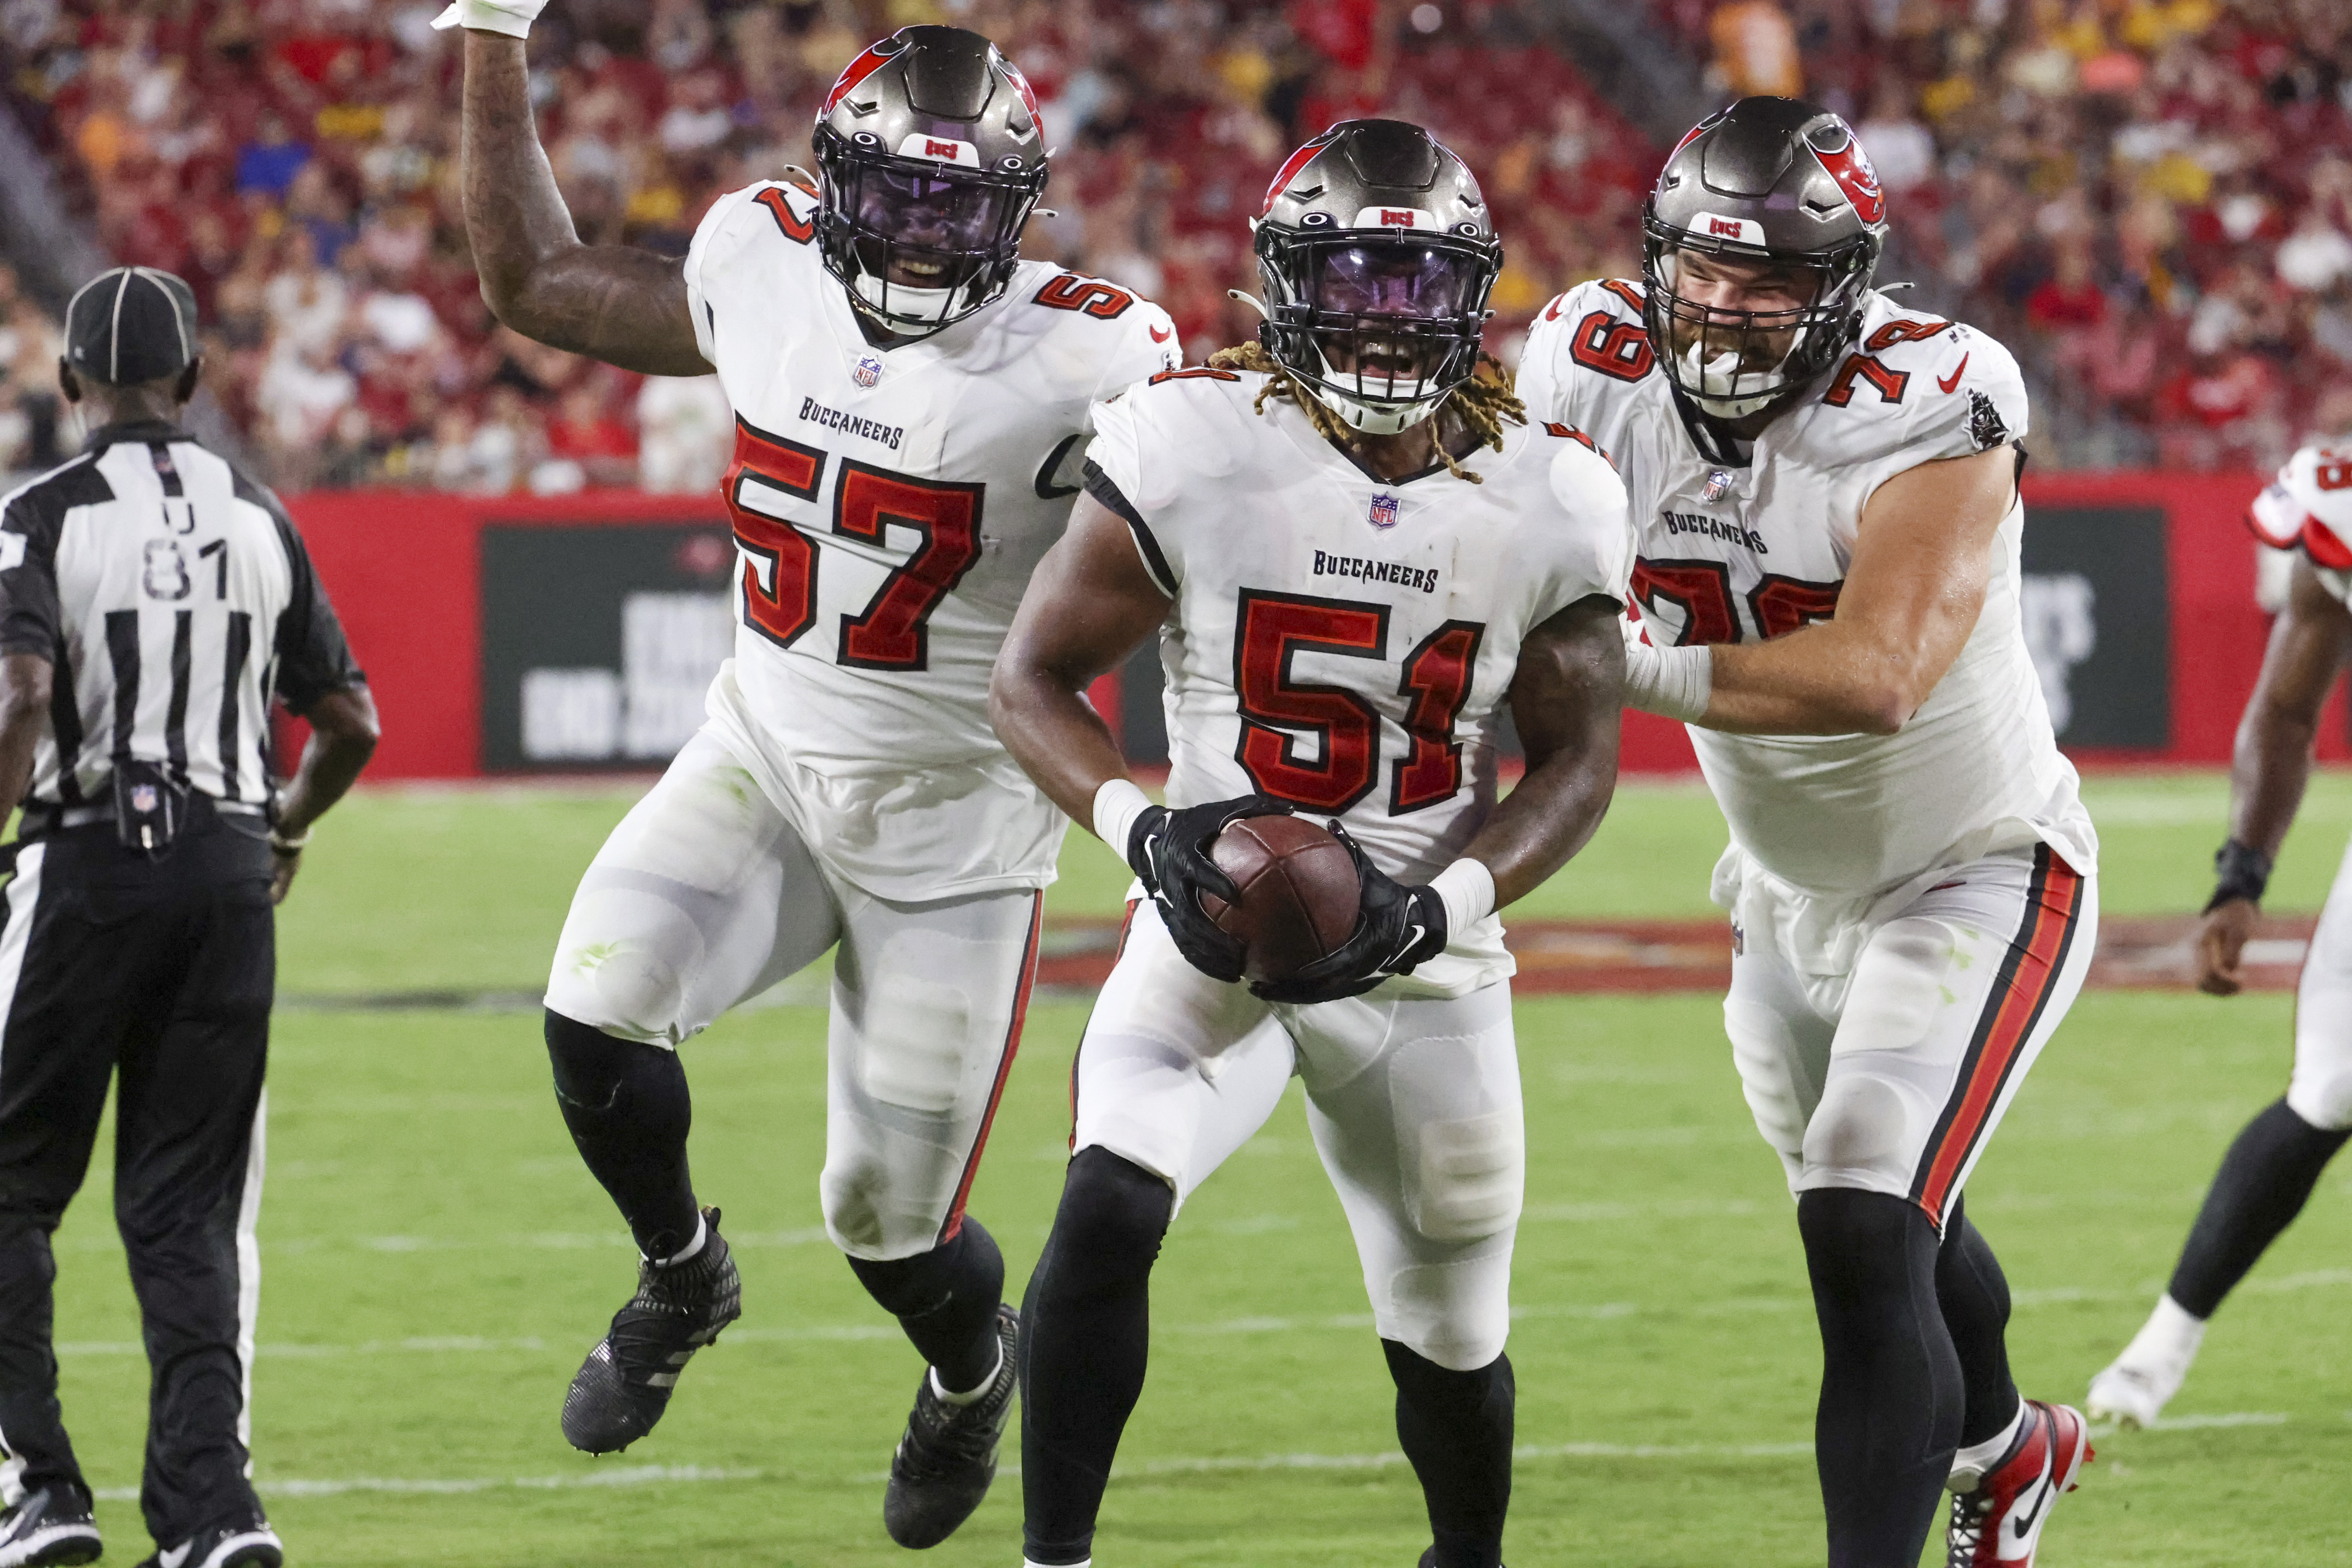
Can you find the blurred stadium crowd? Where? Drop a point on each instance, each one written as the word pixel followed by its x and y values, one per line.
pixel 2151 199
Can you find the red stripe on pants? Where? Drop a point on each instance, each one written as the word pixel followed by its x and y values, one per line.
pixel 1004 1069
pixel 2018 1009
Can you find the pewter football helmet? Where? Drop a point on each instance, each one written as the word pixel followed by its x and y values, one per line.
pixel 1771 180
pixel 1378 254
pixel 932 157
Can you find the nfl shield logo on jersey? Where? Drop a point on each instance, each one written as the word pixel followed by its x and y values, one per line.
pixel 143 799
pixel 868 370
pixel 1717 483
pixel 1384 511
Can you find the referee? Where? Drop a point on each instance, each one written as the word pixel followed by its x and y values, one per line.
pixel 152 601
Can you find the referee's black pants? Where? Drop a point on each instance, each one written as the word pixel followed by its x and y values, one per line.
pixel 161 971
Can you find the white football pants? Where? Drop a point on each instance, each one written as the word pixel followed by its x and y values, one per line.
pixel 706 894
pixel 1887 1071
pixel 1414 1105
pixel 2321 1088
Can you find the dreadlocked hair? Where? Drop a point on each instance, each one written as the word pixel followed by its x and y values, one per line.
pixel 1482 404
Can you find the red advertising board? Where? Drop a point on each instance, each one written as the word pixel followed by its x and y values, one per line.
pixel 406 571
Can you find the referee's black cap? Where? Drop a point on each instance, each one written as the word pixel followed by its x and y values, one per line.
pixel 130 325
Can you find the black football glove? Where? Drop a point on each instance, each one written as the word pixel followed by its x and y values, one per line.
pixel 1169 850
pixel 1397 927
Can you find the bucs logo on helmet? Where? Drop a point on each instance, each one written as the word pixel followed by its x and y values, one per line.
pixel 1850 166
pixel 930 157
pixel 1778 186
pixel 861 68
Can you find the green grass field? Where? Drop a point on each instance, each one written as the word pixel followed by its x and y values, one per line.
pixel 436 1261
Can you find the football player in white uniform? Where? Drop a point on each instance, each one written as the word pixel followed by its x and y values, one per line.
pixel 910 396
pixel 1358 555
pixel 1824 490
pixel 2268 1173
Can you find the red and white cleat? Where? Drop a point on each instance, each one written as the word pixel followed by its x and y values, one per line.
pixel 2001 1521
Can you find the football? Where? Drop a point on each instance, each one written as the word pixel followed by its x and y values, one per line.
pixel 1299 894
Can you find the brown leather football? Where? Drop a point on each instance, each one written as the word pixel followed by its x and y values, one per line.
pixel 1299 894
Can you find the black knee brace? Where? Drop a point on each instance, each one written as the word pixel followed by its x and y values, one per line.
pixel 1113 1216
pixel 628 1111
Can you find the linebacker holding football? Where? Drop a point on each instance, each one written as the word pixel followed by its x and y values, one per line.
pixel 1358 555
pixel 1824 489
pixel 908 393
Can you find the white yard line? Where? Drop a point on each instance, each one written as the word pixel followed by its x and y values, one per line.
pixel 667 1474
pixel 631 1476
pixel 1348 1323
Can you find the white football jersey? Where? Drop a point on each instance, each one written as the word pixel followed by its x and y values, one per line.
pixel 1341 642
pixel 2309 506
pixel 889 506
pixel 1733 550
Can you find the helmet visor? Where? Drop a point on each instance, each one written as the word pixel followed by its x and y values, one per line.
pixel 915 208
pixel 1408 280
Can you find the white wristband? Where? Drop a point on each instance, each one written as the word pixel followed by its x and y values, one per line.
pixel 1468 888
pixel 1116 805
pixel 1676 682
pixel 512 18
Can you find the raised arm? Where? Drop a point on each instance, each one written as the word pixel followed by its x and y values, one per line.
pixel 1565 700
pixel 1913 592
pixel 616 303
pixel 2272 764
pixel 1090 604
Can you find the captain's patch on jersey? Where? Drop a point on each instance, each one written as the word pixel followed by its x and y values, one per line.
pixel 1384 511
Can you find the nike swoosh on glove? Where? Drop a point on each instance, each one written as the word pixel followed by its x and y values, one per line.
pixel 512 18
pixel 1397 927
pixel 1169 852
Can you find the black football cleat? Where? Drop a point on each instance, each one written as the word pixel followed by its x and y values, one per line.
pixel 249 1545
pixel 948 1456
pixel 621 1390
pixel 49 1525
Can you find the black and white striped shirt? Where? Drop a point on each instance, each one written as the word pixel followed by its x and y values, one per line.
pixel 173 597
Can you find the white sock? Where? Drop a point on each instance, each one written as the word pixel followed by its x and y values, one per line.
pixel 684 1254
pixel 2167 1341
pixel 970 1395
pixel 1970 1464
